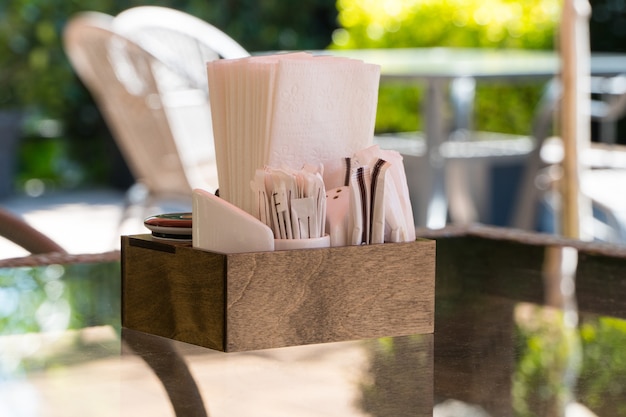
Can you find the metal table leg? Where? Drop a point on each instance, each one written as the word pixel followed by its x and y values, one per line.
pixel 434 109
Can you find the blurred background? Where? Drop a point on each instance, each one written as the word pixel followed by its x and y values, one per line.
pixel 55 148
pixel 52 136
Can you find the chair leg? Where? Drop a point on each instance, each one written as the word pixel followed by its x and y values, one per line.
pixel 137 195
pixel 462 208
pixel 524 216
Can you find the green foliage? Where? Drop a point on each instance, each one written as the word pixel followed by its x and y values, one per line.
pixel 604 365
pixel 41 299
pixel 34 69
pixel 525 24
pixel 397 108
pixel 36 77
pixel 528 24
pixel 52 299
pixel 276 24
pixel 593 353
pixel 551 350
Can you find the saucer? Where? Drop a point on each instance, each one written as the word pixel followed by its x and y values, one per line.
pixel 170 226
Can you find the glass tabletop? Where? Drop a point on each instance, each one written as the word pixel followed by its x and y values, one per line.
pixel 503 346
pixel 450 63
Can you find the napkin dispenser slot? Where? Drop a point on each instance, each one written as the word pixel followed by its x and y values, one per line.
pixel 260 300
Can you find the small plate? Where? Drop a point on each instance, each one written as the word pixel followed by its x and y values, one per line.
pixel 170 226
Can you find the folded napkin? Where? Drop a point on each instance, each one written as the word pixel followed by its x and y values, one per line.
pixel 287 110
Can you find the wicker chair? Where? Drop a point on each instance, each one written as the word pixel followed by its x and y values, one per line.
pixel 159 121
pixel 184 43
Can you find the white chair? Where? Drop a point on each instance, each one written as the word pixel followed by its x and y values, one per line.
pixel 160 121
pixel 181 41
pixel 183 44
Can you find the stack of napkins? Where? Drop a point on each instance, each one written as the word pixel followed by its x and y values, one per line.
pixel 287 110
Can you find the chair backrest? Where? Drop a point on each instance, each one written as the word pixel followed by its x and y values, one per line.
pixel 183 42
pixel 127 83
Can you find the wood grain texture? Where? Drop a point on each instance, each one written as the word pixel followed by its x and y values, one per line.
pixel 177 294
pixel 282 298
pixel 355 292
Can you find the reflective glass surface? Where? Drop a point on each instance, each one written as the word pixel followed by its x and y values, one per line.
pixel 515 342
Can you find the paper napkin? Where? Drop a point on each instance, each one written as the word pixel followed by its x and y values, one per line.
pixel 287 110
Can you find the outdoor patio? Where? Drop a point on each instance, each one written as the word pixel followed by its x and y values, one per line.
pixel 85 221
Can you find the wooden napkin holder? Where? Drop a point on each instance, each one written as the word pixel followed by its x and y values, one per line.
pixel 250 301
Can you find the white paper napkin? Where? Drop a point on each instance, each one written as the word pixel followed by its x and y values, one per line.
pixel 287 110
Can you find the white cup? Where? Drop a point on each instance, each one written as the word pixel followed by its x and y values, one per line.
pixel 289 244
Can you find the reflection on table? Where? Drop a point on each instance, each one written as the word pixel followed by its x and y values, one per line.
pixel 502 346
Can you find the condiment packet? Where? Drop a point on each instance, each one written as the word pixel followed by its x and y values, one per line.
pixel 359 213
pixel 377 207
pixel 399 222
pixel 337 209
pixel 366 224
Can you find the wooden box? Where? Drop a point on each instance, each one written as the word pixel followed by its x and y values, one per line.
pixel 250 301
